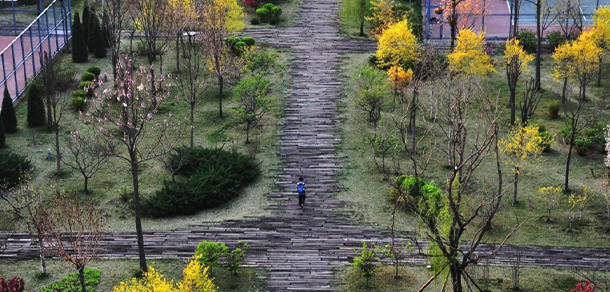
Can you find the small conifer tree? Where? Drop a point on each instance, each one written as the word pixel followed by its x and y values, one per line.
pixel 99 47
pixel 79 47
pixel 36 112
pixel 8 113
pixel 2 137
pixel 86 22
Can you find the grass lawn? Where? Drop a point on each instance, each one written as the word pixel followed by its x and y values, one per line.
pixel 290 11
pixel 114 178
pixel 488 278
pixel 366 192
pixel 115 271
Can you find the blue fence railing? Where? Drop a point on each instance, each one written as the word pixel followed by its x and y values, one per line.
pixel 49 32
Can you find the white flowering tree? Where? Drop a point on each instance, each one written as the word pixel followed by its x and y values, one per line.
pixel 124 121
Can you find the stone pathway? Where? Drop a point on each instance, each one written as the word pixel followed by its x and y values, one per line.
pixel 301 247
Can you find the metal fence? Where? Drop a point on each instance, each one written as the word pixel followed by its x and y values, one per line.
pixel 497 20
pixel 17 9
pixel 49 32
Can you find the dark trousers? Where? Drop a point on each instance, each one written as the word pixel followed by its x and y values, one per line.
pixel 301 199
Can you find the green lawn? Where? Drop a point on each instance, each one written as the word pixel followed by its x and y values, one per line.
pixel 114 272
pixel 107 185
pixel 366 192
pixel 488 278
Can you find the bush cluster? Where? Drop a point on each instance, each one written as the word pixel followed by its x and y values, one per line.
pixel 14 168
pixel 95 70
pixel 588 139
pixel 13 285
pixel 553 109
pixel 239 45
pixel 555 39
pixel 72 283
pixel 527 39
pixel 78 102
pixel 206 178
pixel 211 253
pixel 269 13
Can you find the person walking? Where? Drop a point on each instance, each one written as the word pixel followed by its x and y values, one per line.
pixel 301 188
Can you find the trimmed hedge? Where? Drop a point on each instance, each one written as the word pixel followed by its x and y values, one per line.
pixel 71 283
pixel 87 76
pixel 95 70
pixel 13 168
pixel 207 178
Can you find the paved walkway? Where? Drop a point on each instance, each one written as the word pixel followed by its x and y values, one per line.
pixel 301 247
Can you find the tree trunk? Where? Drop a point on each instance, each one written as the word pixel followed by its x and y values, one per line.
pixel 178 52
pixel 564 91
pixel 516 184
pixel 456 278
pixel 511 103
pixel 361 27
pixel 43 260
pixel 599 72
pixel 538 44
pixel 566 185
pixel 57 150
pixel 248 133
pixel 453 26
pixel 136 201
pixel 413 120
pixel 192 122
pixel 220 93
pixel 86 190
pixel 81 277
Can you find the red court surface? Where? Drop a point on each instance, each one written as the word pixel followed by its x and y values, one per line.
pixel 25 62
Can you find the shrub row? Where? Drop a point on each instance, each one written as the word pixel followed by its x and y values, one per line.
pixel 207 178
pixel 80 95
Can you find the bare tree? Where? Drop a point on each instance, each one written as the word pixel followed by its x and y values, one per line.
pixel 115 15
pixel 84 155
pixel 544 18
pixel 530 101
pixel 217 24
pixel 576 123
pixel 468 145
pixel 20 202
pixel 56 103
pixel 569 17
pixel 155 19
pixel 125 123
pixel 72 231
pixel 193 80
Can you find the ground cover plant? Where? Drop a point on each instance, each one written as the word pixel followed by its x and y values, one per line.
pixel 206 178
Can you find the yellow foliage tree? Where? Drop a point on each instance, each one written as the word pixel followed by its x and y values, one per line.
pixel 382 16
pixel 601 26
pixel 576 202
pixel 399 78
pixel 469 55
pixel 515 61
pixel 522 145
pixel 195 279
pixel 550 196
pixel 577 60
pixel 397 45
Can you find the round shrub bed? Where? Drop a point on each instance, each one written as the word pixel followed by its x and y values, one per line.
pixel 206 178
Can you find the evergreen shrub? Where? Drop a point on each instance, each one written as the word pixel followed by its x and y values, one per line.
pixel 206 178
